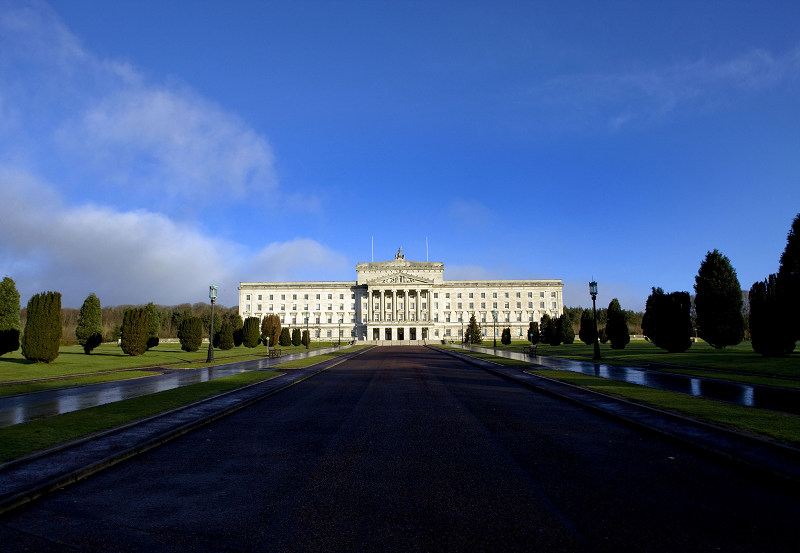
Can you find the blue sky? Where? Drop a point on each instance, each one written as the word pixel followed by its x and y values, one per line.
pixel 148 148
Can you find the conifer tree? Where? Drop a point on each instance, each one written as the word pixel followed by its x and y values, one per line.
pixel 565 327
pixel 506 336
pixel 771 332
pixel 285 338
pixel 473 335
pixel 135 330
pixel 547 330
pixel 42 336
pixel 271 328
pixel 190 333
pixel 305 338
pixel 667 320
pixel 237 324
pixel 226 337
pixel 533 332
pixel 10 324
pixel 296 337
pixel 153 325
pixel 250 334
pixel 586 332
pixel 89 331
pixel 789 278
pixel 617 327
pixel 718 302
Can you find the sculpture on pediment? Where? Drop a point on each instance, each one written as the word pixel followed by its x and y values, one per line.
pixel 399 254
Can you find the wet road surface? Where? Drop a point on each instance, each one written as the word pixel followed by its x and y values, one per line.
pixel 39 405
pixel 407 449
pixel 763 397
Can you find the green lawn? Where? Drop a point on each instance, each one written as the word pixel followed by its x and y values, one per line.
pixel 734 358
pixel 750 420
pixel 73 361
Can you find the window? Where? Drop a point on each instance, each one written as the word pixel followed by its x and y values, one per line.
pixel 305 307
pixel 436 317
pixel 352 307
pixel 530 317
pixel 247 308
pixel 424 305
pixel 460 318
pixel 330 319
pixel 460 332
pixel 330 296
pixel 530 305
pixel 317 296
pixel 352 318
pixel 519 317
pixel 470 295
pixel 471 305
pixel 341 296
pixel 270 307
pixel 352 296
pixel 283 307
pixel 436 332
pixel 330 307
pixel 436 305
pixel 305 298
pixel 553 295
pixel 258 307
pixel 494 305
pixel 294 319
pixel 494 295
pixel 435 295
pixel 259 296
pixel 483 317
pixel 447 318
pixel 483 332
pixel 447 332
pixel 483 295
pixel 555 305
pixel 341 307
pixel 519 304
pixel 508 318
pixel 329 332
pixel 424 294
pixel 447 296
pixel 541 305
pixel 541 294
pixel 519 295
pixel 282 319
pixel 506 294
pixel 294 296
pixel 294 307
pixel 459 305
pixel 247 297
pixel 317 307
pixel 317 319
pixel 399 305
pixel 459 295
pixel 530 294
pixel 283 296
pixel 388 305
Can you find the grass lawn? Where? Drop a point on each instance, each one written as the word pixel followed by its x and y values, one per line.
pixel 769 425
pixel 30 387
pixel 107 357
pixel 740 358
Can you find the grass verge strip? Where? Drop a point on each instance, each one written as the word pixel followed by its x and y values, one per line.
pixel 761 423
pixel 747 379
pixel 25 438
pixel 28 388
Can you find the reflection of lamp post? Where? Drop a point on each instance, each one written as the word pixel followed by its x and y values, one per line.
pixel 308 336
pixel 494 314
pixel 462 330
pixel 212 293
pixel 340 331
pixel 593 292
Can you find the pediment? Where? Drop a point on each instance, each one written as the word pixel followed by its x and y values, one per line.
pixel 401 278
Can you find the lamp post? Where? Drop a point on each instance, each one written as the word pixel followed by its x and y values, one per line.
pixel 593 292
pixel 212 293
pixel 308 335
pixel 462 330
pixel 340 332
pixel 494 314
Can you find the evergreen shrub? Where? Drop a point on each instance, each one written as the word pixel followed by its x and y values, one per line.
pixel 771 331
pixel 667 320
pixel 718 302
pixel 135 330
pixel 285 338
pixel 10 323
pixel 617 326
pixel 225 341
pixel 271 328
pixel 42 336
pixel 89 331
pixel 505 338
pixel 190 333
pixel 533 332
pixel 296 337
pixel 153 325
pixel 250 334
pixel 586 332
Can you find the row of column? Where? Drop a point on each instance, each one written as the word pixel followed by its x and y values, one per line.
pixel 382 310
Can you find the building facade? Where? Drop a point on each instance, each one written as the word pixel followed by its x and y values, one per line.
pixel 403 302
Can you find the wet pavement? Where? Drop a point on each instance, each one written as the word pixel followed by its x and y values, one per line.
pixel 39 405
pixel 407 449
pixel 763 397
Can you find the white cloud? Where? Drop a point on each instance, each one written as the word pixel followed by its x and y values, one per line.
pixel 131 256
pixel 622 98
pixel 104 124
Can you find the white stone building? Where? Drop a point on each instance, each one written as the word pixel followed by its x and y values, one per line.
pixel 403 302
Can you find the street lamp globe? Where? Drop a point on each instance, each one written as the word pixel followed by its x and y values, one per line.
pixel 593 289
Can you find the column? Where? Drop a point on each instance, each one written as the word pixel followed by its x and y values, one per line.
pixel 405 305
pixel 370 301
pixel 417 299
pixel 382 310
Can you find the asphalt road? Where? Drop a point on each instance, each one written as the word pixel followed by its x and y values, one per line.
pixel 406 449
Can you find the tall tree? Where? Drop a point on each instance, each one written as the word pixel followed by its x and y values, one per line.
pixel 771 332
pixel 617 327
pixel 505 337
pixel 271 328
pixel 789 276
pixel 566 332
pixel 473 331
pixel 237 323
pixel 586 332
pixel 296 338
pixel 285 338
pixel 667 321
pixel 190 333
pixel 10 324
pixel 547 330
pixel 250 334
pixel 718 301
pixel 153 325
pixel 90 324
pixel 42 336
pixel 305 339
pixel 533 332
pixel 135 330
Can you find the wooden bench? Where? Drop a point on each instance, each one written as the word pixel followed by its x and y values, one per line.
pixel 530 350
pixel 274 352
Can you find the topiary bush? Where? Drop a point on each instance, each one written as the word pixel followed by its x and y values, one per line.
pixel 718 302
pixel 225 337
pixel 296 338
pixel 505 337
pixel 10 324
pixel 89 331
pixel 771 331
pixel 586 332
pixel 135 330
pixel 250 334
pixel 285 339
pixel 533 333
pixel 566 332
pixel 190 333
pixel 153 325
pixel 237 324
pixel 617 326
pixel 304 339
pixel 42 336
pixel 667 321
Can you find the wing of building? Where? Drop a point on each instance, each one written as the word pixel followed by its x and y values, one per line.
pixel 403 302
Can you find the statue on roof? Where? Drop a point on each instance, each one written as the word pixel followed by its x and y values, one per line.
pixel 399 254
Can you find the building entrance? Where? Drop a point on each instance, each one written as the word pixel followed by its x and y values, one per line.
pixel 388 334
pixel 413 333
pixel 376 334
pixel 424 333
pixel 400 334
